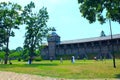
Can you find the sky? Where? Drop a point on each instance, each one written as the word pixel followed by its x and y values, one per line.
pixel 65 16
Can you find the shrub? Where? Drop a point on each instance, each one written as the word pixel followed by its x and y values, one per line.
pixel 15 55
pixel 91 55
pixel 117 55
pixel 38 58
pixel 2 54
pixel 26 59
pixel 64 56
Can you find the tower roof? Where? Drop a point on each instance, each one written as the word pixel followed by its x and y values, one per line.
pixel 54 34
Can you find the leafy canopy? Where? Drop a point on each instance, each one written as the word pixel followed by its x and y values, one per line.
pixel 100 10
pixel 36 29
pixel 10 19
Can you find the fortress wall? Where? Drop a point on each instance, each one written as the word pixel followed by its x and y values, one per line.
pixel 99 47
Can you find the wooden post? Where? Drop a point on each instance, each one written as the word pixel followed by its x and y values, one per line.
pixel 112 46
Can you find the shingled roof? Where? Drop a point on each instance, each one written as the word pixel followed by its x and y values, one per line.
pixel 116 36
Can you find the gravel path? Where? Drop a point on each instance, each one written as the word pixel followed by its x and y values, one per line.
pixel 19 76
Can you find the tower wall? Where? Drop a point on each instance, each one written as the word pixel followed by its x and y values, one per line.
pixel 90 49
pixel 53 41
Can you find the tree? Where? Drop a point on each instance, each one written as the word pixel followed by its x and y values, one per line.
pixel 102 34
pixel 100 10
pixel 16 55
pixel 36 29
pixel 10 19
pixel 19 49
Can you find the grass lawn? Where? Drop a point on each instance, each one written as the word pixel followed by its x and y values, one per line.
pixel 79 70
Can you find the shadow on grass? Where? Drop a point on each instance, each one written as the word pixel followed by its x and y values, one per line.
pixel 117 76
pixel 27 65
pixel 43 64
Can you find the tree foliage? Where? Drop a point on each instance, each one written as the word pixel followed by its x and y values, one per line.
pixel 19 49
pixel 15 55
pixel 2 37
pixel 36 28
pixel 2 54
pixel 102 34
pixel 100 10
pixel 10 19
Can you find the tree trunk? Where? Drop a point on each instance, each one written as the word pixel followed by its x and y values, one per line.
pixel 31 56
pixel 30 61
pixel 7 50
pixel 6 58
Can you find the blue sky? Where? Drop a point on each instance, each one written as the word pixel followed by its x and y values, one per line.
pixel 64 15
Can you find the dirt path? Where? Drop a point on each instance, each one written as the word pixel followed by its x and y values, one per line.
pixel 18 76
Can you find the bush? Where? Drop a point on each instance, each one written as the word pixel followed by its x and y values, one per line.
pixel 2 54
pixel 64 56
pixel 91 55
pixel 117 55
pixel 26 59
pixel 15 55
pixel 38 58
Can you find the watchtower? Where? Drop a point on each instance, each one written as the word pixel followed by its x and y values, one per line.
pixel 53 40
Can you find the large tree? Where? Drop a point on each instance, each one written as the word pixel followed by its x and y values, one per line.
pixel 10 19
pixel 36 29
pixel 100 10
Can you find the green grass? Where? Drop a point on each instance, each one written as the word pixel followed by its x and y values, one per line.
pixel 79 70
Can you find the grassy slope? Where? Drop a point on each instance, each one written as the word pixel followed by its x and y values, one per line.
pixel 81 69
